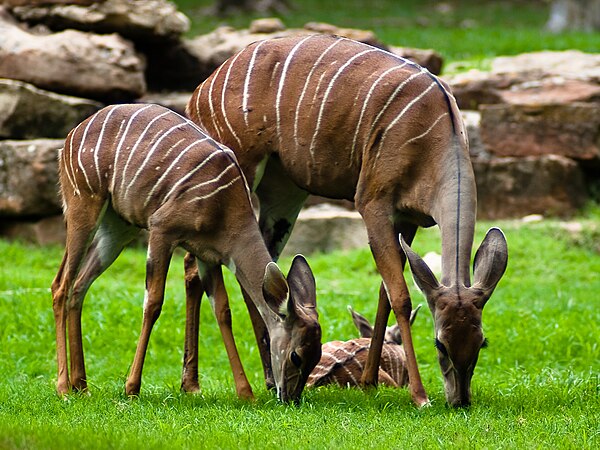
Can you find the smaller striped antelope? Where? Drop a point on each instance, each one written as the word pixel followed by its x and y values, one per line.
pixel 133 167
pixel 343 362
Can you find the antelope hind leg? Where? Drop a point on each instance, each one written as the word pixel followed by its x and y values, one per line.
pixel 193 299
pixel 79 237
pixel 110 239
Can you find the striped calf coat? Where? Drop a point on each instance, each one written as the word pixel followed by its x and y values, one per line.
pixel 342 362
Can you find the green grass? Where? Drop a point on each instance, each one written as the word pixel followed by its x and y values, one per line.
pixel 468 35
pixel 536 386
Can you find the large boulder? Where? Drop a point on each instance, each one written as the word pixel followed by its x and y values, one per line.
pixel 72 62
pixel 46 231
pixel 139 20
pixel 540 77
pixel 29 178
pixel 11 3
pixel 324 228
pixel 515 187
pixel 184 65
pixel 570 64
pixel 27 112
pixel 571 130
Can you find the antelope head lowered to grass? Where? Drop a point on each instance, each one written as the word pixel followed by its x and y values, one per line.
pixel 343 362
pixel 129 167
pixel 337 118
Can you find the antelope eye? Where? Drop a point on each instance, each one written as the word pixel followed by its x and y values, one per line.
pixel 441 347
pixel 296 360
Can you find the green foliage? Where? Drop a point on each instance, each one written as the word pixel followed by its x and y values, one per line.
pixel 467 33
pixel 536 386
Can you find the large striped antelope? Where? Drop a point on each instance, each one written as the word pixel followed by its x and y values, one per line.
pixel 330 116
pixel 129 167
pixel 343 362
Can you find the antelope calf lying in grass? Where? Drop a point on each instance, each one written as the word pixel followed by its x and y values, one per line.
pixel 343 362
pixel 129 167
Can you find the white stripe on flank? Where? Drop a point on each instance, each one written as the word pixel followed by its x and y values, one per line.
pixel 306 83
pixel 71 176
pixel 223 90
pixel 173 164
pixel 389 102
pixel 328 91
pixel 106 119
pixel 135 146
pixel 354 380
pixel 188 175
pixel 332 356
pixel 426 131
pixel 399 116
pixel 118 151
pixel 82 149
pixel 173 147
pixel 198 105
pixel 364 107
pixel 210 102
pixel 216 191
pixel 385 354
pixel 282 78
pixel 246 94
pixel 213 180
pixel 179 126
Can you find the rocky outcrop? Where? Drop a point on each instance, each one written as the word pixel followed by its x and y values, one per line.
pixel 546 77
pixel 183 65
pixel 515 187
pixel 138 20
pixel 72 62
pixel 323 228
pixel 571 130
pixel 29 178
pixel 27 112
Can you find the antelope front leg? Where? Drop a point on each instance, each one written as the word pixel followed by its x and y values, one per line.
pixel 371 371
pixel 223 315
pixel 369 377
pixel 262 340
pixel 387 254
pixel 157 265
pixel 193 299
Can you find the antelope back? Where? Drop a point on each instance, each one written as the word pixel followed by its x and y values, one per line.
pixel 318 99
pixel 144 157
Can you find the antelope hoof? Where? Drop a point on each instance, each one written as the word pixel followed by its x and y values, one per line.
pixel 79 385
pixel 132 389
pixel 270 382
pixel 190 387
pixel 245 394
pixel 63 389
pixel 421 401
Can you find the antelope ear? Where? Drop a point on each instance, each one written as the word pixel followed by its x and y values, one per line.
pixel 275 287
pixel 490 263
pixel 413 314
pixel 364 327
pixel 423 276
pixel 303 289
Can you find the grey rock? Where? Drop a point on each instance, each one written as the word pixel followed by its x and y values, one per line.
pixel 29 178
pixel 72 62
pixel 27 112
